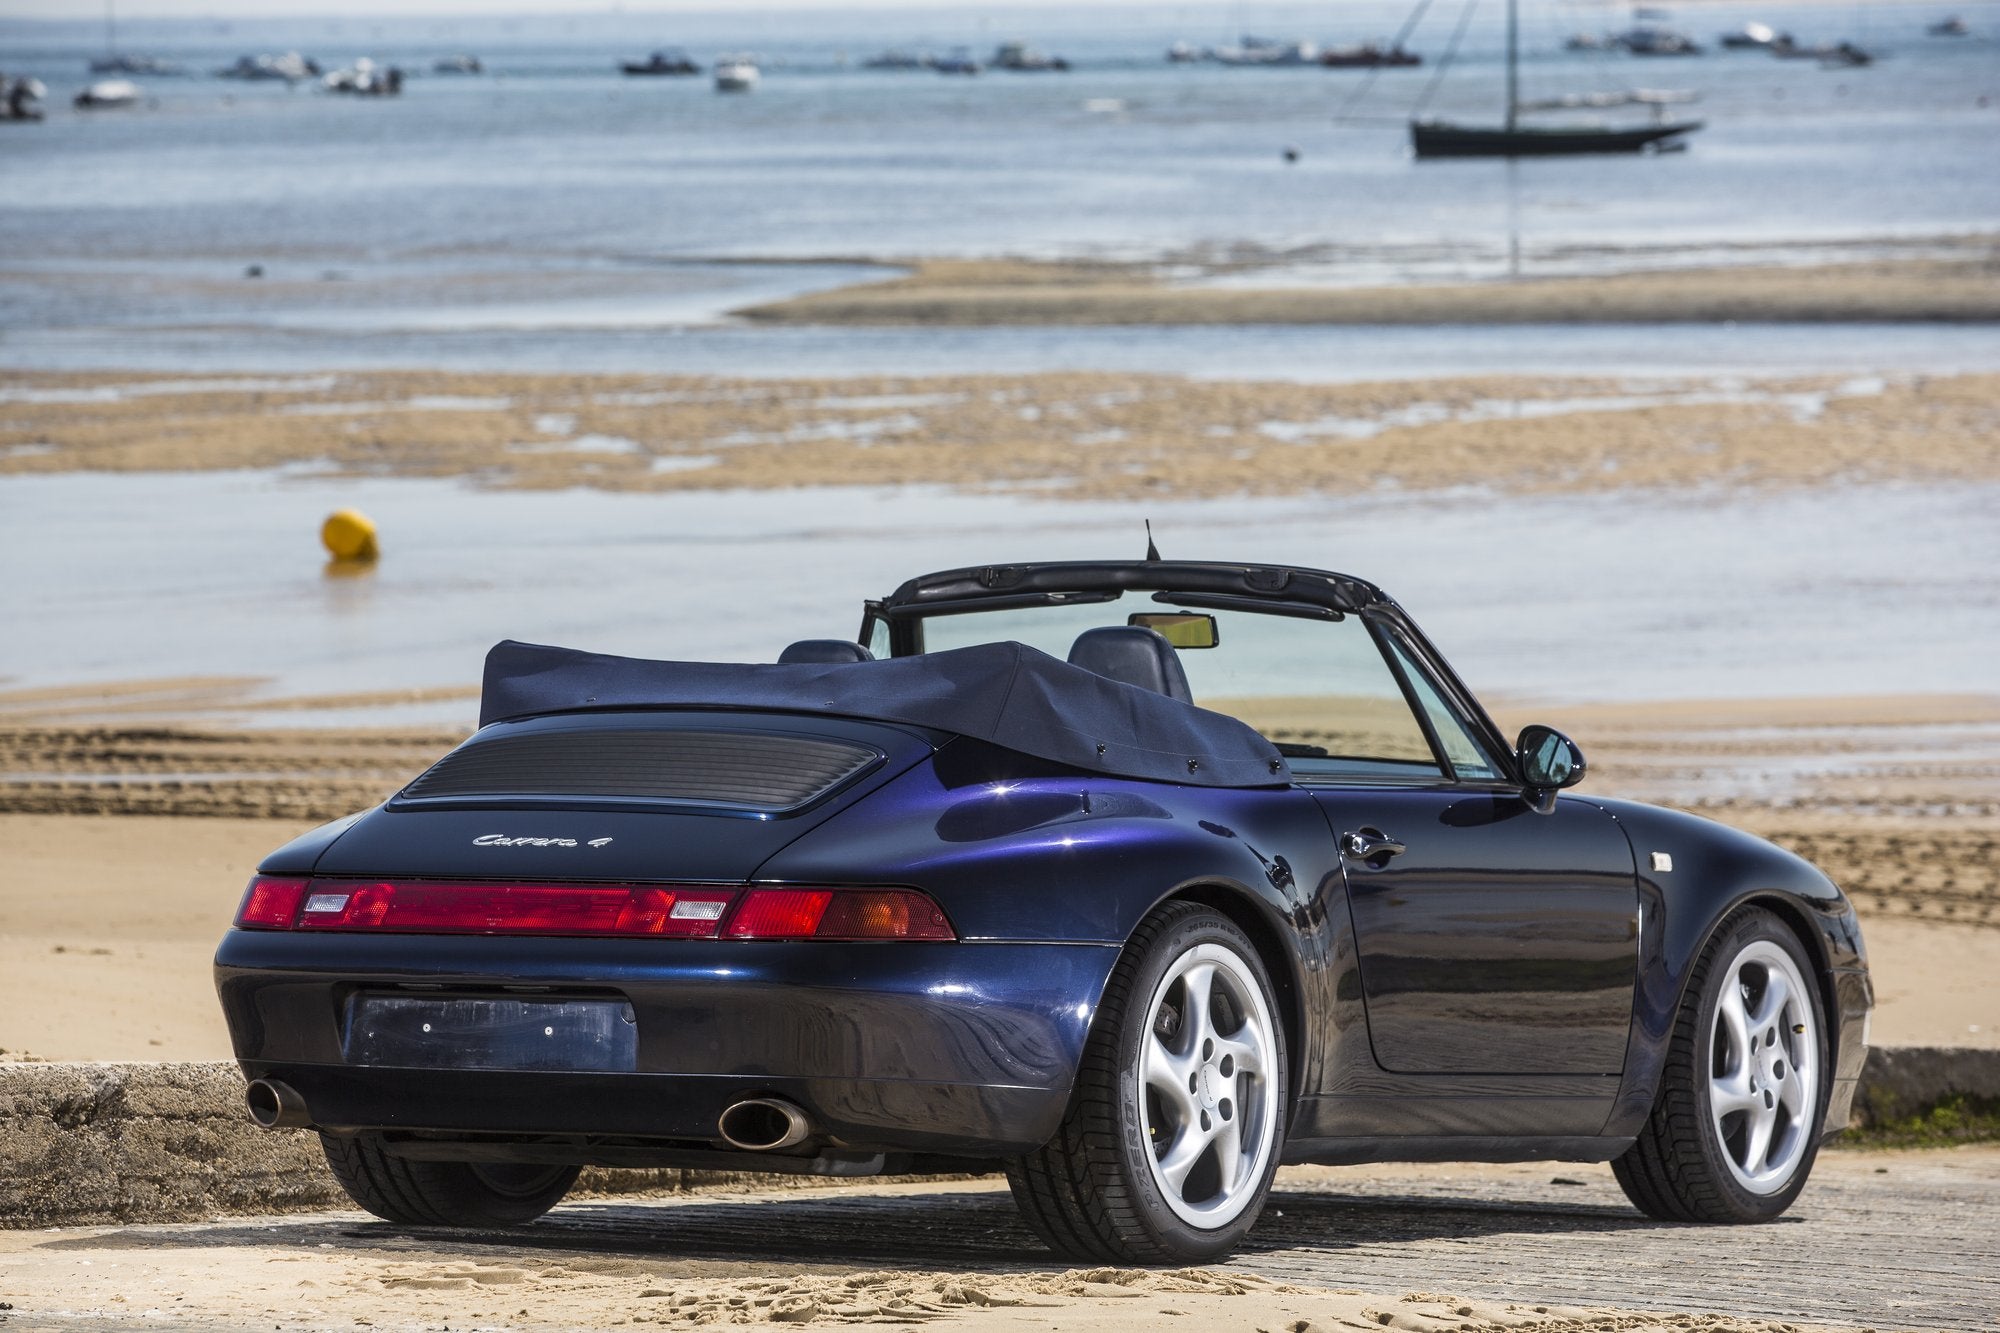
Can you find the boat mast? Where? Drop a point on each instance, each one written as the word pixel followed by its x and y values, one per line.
pixel 1513 61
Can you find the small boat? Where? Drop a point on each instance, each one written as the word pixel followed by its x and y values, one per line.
pixel 672 62
pixel 897 60
pixel 130 64
pixel 1753 37
pixel 736 74
pixel 21 99
pixel 1949 27
pixel 1267 51
pixel 1833 55
pixel 291 67
pixel 1025 59
pixel 1586 41
pixel 108 94
pixel 1437 138
pixel 958 62
pixel 1185 53
pixel 463 64
pixel 365 79
pixel 1369 55
pixel 1651 39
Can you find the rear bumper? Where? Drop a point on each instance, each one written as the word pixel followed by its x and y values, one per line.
pixel 950 1048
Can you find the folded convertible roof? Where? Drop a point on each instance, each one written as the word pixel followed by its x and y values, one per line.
pixel 1006 693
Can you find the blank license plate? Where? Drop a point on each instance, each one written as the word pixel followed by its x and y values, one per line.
pixel 588 1036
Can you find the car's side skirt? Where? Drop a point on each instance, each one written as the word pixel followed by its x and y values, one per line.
pixel 1453 1148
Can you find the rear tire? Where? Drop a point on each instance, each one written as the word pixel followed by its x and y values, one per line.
pixel 1735 1126
pixel 1178 1117
pixel 443 1194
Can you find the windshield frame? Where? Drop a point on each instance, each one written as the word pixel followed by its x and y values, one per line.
pixel 1270 590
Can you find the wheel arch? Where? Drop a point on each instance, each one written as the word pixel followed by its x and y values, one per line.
pixel 1797 919
pixel 1255 919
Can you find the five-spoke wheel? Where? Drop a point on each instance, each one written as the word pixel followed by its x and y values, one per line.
pixel 1735 1125
pixel 1178 1117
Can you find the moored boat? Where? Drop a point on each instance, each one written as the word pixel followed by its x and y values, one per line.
pixel 108 94
pixel 21 99
pixel 1511 138
pixel 1024 59
pixel 736 74
pixel 671 62
pixel 1369 55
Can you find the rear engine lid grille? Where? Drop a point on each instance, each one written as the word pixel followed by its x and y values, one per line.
pixel 760 772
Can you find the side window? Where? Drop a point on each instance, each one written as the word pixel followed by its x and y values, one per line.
pixel 878 637
pixel 1469 759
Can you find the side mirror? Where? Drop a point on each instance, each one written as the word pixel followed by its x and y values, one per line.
pixel 1549 761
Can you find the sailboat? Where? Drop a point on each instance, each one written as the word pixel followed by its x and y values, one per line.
pixel 112 62
pixel 1437 138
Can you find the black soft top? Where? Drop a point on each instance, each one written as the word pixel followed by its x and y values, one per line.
pixel 1006 693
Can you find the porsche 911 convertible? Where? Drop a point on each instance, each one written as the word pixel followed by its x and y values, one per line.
pixel 1134 879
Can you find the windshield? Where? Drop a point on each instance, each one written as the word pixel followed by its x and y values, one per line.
pixel 1320 690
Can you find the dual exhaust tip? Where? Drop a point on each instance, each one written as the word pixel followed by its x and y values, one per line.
pixel 756 1124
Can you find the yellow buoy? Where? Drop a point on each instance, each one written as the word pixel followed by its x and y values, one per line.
pixel 348 534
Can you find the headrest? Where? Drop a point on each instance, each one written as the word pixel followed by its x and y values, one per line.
pixel 1132 655
pixel 824 652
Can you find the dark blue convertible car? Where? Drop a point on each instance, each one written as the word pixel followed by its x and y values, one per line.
pixel 1135 879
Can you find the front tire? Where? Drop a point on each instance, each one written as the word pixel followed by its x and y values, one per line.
pixel 443 1194
pixel 1178 1116
pixel 1735 1127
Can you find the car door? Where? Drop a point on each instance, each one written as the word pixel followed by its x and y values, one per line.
pixel 1491 937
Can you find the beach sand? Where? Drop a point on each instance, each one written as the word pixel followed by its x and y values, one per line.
pixel 1075 435
pixel 988 292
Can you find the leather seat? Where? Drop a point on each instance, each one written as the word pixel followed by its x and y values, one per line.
pixel 1133 655
pixel 824 652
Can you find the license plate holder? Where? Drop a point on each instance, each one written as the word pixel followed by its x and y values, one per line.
pixel 491 1032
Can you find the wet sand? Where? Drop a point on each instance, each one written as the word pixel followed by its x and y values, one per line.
pixel 127 843
pixel 1079 436
pixel 986 292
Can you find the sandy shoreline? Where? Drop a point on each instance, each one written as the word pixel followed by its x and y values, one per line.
pixel 1059 435
pixel 995 292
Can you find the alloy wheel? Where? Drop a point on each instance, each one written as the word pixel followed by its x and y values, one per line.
pixel 1763 1068
pixel 1205 1071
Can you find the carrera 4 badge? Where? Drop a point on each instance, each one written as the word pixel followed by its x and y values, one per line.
pixel 502 840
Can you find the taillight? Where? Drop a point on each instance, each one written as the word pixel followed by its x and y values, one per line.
pixel 270 903
pixel 513 909
pixel 838 914
pixel 659 910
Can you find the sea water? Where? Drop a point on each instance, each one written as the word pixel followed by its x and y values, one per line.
pixel 552 212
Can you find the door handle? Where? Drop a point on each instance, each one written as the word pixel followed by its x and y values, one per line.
pixel 1371 846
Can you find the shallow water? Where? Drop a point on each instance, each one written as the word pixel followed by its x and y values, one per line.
pixel 548 214
pixel 1854 591
pixel 1311 353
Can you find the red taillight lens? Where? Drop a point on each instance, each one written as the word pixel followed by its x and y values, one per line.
pixel 513 909
pixel 838 914
pixel 661 910
pixel 271 903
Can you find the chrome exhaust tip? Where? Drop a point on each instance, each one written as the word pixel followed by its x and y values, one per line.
pixel 763 1124
pixel 275 1105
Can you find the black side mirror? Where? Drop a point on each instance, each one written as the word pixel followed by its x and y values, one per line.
pixel 1549 761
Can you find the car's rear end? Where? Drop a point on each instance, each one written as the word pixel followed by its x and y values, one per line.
pixel 555 947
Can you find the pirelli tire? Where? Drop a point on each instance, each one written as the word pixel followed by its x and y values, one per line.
pixel 443 1194
pixel 1177 1120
